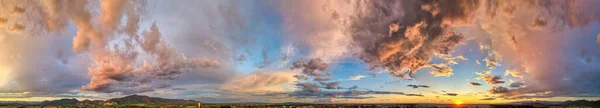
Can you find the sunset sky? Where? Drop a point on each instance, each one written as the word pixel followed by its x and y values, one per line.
pixel 314 51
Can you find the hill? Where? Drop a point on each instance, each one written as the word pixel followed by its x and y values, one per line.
pixel 131 99
pixel 582 102
pixel 61 102
pixel 140 99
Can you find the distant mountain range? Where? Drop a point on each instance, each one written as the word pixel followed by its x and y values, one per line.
pixel 568 102
pixel 140 99
pixel 131 99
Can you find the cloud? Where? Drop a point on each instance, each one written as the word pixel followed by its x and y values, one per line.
pixel 534 39
pixel 453 12
pixel 492 79
pixel 518 73
pixel 86 33
pixel 498 90
pixel 399 37
pixel 451 94
pixel 493 60
pixel 424 33
pixel 417 86
pixel 345 94
pixel 17 10
pixel 53 75
pixel 240 58
pixel 25 43
pixel 121 60
pixel 442 70
pixel 598 37
pixel 330 91
pixel 538 23
pixel 320 26
pixel 314 67
pixel 103 49
pixel 265 58
pixel 17 28
pixel 3 21
pixel 115 73
pixel 490 98
pixel 474 84
pixel 112 11
pixel 358 77
pixel 288 52
pixel 331 85
pixel 308 88
pixel 483 73
pixel 179 89
pixel 516 84
pixel 260 81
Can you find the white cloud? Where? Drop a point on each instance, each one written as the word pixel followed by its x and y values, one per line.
pixel 358 77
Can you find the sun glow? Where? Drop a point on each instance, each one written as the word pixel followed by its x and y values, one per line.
pixel 458 102
pixel 3 76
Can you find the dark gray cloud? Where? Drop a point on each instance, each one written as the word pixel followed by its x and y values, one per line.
pixel 179 89
pixel 346 94
pixel 417 86
pixel 308 88
pixel 489 98
pixel 331 85
pixel 516 84
pixel 451 94
pixel 498 90
pixel 474 84
pixel 314 67
pixel 353 87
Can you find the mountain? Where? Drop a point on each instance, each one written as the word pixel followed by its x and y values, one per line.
pixel 140 99
pixel 132 99
pixel 536 103
pixel 568 102
pixel 61 102
pixel 582 102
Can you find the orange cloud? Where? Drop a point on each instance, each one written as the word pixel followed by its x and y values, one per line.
pixel 492 79
pixel 260 82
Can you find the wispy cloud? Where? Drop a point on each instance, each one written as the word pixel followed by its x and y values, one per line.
pixel 357 77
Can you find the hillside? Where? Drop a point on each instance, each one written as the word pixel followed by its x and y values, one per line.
pixel 132 99
pixel 61 102
pixel 140 99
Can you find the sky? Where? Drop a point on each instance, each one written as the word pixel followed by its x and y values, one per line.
pixel 312 51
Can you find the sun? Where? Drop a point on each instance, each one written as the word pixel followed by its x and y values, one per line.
pixel 458 102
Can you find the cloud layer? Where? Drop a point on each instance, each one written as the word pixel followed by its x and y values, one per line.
pixel 403 36
pixel 298 50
